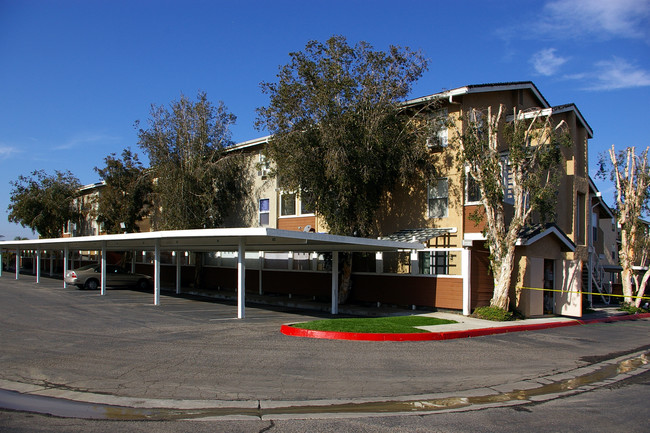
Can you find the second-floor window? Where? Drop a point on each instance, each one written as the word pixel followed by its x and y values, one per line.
pixel 288 204
pixel 438 136
pixel 438 198
pixel 291 204
pixel 264 212
pixel 472 190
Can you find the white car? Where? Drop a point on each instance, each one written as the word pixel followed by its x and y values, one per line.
pixel 89 277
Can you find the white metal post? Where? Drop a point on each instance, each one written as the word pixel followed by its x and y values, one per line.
pixel 379 263
pixel 415 262
pixel 466 257
pixel 156 273
pixel 65 265
pixel 38 266
pixel 51 263
pixel 17 264
pixel 178 272
pixel 103 270
pixel 335 282
pixel 241 279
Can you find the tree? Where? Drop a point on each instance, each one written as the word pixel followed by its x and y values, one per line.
pixel 517 160
pixel 43 202
pixel 631 176
pixel 339 135
pixel 125 197
pixel 195 181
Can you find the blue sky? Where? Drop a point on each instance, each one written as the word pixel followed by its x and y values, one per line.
pixel 76 75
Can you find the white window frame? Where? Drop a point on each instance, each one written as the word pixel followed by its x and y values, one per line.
pixel 440 138
pixel 282 208
pixel 430 197
pixel 297 203
pixel 468 177
pixel 266 212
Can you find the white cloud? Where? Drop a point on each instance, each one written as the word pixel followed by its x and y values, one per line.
pixel 85 139
pixel 603 18
pixel 7 151
pixel 546 62
pixel 618 74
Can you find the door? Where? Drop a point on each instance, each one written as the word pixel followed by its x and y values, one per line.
pixel 549 286
pixel 568 301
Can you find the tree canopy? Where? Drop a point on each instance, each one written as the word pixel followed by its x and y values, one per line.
pixel 195 181
pixel 338 134
pixel 125 197
pixel 515 162
pixel 43 202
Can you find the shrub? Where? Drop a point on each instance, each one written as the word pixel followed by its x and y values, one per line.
pixel 632 309
pixel 495 314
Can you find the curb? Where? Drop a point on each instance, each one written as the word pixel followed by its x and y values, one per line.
pixel 449 335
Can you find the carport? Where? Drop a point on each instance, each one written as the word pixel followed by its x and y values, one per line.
pixel 208 240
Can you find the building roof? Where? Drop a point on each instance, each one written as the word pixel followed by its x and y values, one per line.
pixel 482 88
pixel 255 239
pixel 531 234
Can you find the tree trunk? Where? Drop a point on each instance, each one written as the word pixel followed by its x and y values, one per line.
pixel 346 278
pixel 502 278
pixel 626 282
pixel 641 289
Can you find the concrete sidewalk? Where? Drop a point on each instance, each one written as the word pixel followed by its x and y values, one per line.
pixel 470 327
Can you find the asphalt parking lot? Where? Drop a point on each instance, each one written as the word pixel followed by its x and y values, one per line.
pixel 187 348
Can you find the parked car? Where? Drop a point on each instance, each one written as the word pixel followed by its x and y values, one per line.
pixel 88 277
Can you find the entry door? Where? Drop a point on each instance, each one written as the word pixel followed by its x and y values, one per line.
pixel 568 302
pixel 549 286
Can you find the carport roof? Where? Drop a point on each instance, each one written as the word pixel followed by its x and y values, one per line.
pixel 226 239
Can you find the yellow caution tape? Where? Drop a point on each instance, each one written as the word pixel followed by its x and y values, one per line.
pixel 584 293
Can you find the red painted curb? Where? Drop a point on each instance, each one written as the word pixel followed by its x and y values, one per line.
pixel 448 335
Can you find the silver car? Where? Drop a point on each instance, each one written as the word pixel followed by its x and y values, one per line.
pixel 89 277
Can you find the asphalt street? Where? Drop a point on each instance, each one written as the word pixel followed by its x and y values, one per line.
pixel 190 349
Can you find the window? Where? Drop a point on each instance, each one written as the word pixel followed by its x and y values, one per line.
pixel 264 212
pixel 438 198
pixel 473 192
pixel 507 181
pixel 287 204
pixel 434 262
pixel 438 136
pixel 580 218
pixel 305 208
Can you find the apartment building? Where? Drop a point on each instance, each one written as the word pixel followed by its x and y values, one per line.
pixel 451 271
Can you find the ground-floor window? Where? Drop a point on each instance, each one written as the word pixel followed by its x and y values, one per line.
pixel 434 262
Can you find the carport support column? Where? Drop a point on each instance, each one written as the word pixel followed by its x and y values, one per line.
pixel 335 282
pixel 17 264
pixel 38 266
pixel 103 271
pixel 466 258
pixel 65 265
pixel 241 279
pixel 156 273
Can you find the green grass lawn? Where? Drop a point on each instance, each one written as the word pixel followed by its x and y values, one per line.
pixel 374 325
